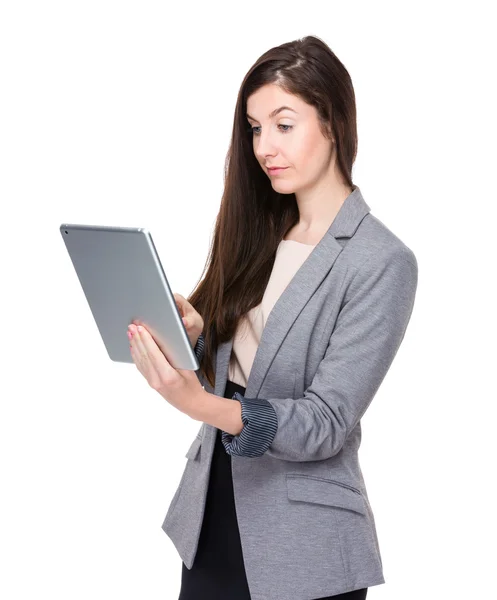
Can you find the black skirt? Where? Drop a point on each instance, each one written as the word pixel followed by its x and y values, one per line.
pixel 218 571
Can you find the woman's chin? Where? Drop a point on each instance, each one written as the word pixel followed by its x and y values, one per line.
pixel 283 187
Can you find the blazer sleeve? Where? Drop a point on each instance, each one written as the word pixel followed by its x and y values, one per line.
pixel 368 332
pixel 199 352
pixel 199 347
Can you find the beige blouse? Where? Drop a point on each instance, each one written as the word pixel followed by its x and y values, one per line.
pixel 289 257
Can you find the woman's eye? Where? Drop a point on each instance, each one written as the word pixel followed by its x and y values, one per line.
pixel 287 128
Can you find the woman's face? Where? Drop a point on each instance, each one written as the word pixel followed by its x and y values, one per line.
pixel 291 138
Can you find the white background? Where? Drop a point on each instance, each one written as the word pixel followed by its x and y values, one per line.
pixel 120 113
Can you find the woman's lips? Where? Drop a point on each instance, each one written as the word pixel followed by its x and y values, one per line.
pixel 276 171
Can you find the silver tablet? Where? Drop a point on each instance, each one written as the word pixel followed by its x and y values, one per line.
pixel 123 280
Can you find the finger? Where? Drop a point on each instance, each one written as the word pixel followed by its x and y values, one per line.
pixel 153 354
pixel 186 307
pixel 136 358
pixel 134 353
pixel 180 305
pixel 144 361
pixel 179 299
pixel 140 352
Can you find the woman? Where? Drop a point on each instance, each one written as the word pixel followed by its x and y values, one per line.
pixel 304 304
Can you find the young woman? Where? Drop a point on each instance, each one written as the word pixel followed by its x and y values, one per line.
pixel 304 304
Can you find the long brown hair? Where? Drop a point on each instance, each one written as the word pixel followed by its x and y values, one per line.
pixel 253 218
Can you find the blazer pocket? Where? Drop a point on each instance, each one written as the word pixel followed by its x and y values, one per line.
pixel 194 449
pixel 308 488
pixel 359 552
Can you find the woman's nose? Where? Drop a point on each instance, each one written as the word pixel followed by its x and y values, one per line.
pixel 265 147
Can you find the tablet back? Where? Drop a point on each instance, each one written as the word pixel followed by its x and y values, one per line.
pixel 123 280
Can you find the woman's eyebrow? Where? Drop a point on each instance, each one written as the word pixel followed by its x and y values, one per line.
pixel 275 112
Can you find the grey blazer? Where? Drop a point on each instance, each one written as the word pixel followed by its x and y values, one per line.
pixel 306 525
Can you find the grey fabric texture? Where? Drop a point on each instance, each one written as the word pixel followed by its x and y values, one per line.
pixel 306 524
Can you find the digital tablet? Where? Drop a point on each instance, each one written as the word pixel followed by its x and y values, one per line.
pixel 123 281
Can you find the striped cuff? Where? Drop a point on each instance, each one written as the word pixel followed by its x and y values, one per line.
pixel 260 424
pixel 199 347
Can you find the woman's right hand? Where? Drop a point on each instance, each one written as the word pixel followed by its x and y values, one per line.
pixel 193 322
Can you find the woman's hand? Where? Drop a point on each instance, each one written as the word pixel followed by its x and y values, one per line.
pixel 193 322
pixel 180 387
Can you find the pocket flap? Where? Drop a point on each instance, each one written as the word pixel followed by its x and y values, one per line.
pixel 307 488
pixel 194 449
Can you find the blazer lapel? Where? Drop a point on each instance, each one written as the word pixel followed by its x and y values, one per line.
pixel 294 297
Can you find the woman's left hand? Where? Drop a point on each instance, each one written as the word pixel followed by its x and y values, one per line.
pixel 180 387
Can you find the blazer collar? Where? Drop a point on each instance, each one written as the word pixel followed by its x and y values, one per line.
pixel 297 293
pixel 348 218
